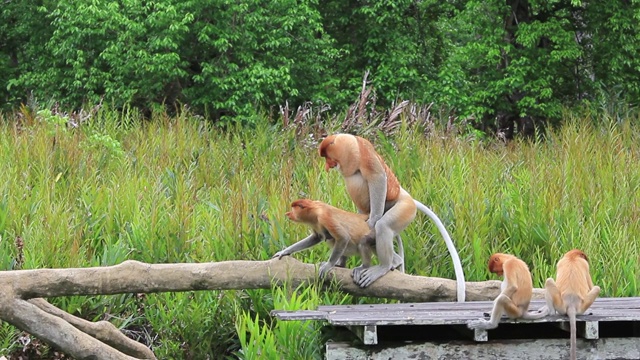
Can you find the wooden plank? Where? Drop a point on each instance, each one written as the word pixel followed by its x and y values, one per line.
pixel 607 303
pixel 367 334
pixel 540 349
pixel 444 318
pixel 434 318
pixel 604 309
pixel 299 315
pixel 480 335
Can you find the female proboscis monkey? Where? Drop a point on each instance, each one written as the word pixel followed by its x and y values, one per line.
pixel 375 190
pixel 344 231
pixel 573 292
pixel 515 295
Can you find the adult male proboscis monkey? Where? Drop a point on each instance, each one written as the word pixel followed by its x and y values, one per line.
pixel 572 292
pixel 344 231
pixel 375 190
pixel 515 295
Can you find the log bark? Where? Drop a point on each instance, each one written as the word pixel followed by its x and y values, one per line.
pixel 21 292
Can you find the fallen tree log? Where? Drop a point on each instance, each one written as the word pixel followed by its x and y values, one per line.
pixel 21 293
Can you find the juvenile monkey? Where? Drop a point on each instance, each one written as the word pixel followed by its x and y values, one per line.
pixel 375 190
pixel 517 289
pixel 344 231
pixel 573 291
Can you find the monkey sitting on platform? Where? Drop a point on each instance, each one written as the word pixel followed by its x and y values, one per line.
pixel 517 289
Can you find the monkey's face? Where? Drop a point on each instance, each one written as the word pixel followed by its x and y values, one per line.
pixel 290 215
pixel 327 146
pixel 300 210
pixel 295 214
pixel 495 264
pixel 330 164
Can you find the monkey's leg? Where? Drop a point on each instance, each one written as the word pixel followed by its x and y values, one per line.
pixel 396 219
pixel 303 244
pixel 384 250
pixel 589 299
pixel 553 298
pixel 340 246
pixel 342 262
pixel 366 252
pixel 500 305
pixel 398 259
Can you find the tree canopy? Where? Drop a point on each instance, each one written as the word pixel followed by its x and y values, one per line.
pixel 497 62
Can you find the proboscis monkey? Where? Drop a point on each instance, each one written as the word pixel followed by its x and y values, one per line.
pixel 517 289
pixel 375 190
pixel 346 232
pixel 573 292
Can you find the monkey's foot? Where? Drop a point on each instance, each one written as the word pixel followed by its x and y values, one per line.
pixel 398 262
pixel 369 275
pixel 356 274
pixel 481 324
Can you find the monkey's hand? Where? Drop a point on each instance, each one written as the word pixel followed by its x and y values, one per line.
pixel 481 324
pixel 280 254
pixel 324 269
pixel 372 221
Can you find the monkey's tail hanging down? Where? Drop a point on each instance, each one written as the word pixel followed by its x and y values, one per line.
pixel 571 312
pixel 457 265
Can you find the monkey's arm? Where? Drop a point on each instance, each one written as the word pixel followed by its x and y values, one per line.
pixel 303 244
pixel 553 298
pixel 377 196
pixel 512 277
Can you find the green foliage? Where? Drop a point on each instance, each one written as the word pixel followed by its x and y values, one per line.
pixel 489 62
pixel 222 57
pixel 8 337
pixel 285 339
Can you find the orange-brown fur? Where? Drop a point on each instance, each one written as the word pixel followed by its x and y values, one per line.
pixel 364 159
pixel 324 218
pixel 573 292
pixel 517 289
pixel 519 285
pixel 375 190
pixel 347 233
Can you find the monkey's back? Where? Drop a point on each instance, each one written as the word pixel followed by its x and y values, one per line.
pixel 517 272
pixel 337 222
pixel 573 276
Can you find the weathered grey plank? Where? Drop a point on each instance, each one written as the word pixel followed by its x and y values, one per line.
pixel 438 313
pixel 443 318
pixel 540 349
pixel 367 334
pixel 299 315
pixel 611 303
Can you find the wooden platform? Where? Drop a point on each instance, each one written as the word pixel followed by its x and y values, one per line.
pixel 436 330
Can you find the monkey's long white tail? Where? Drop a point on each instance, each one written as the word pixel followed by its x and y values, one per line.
pixel 457 265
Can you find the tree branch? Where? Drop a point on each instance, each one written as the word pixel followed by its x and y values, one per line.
pixel 84 340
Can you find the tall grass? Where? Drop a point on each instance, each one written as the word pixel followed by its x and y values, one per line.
pixel 177 189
